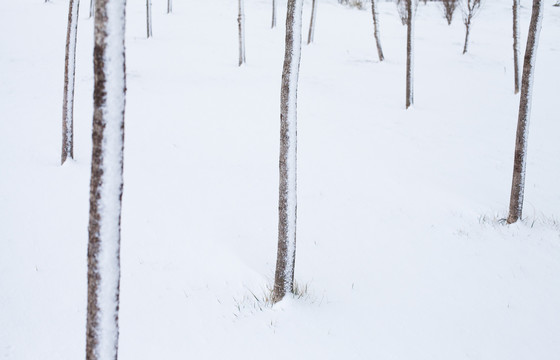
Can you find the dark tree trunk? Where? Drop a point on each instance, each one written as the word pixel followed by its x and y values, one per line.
pixel 273 14
pixel 149 18
pixel 409 54
pixel 106 184
pixel 69 82
pixel 241 25
pixel 376 31
pixel 516 44
pixel 287 202
pixel 520 155
pixel 312 23
pixel 467 33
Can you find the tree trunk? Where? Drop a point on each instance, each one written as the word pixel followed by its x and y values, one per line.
pixel 409 54
pixel 520 155
pixel 376 31
pixel 467 32
pixel 91 8
pixel 149 18
pixel 169 6
pixel 241 24
pixel 106 184
pixel 516 45
pixel 69 81
pixel 287 202
pixel 273 14
pixel 312 24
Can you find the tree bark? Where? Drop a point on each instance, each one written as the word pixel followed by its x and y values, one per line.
pixel 312 24
pixel 376 31
pixel 273 14
pixel 69 82
pixel 409 54
pixel 516 45
pixel 467 32
pixel 520 155
pixel 287 202
pixel 241 25
pixel 106 184
pixel 149 18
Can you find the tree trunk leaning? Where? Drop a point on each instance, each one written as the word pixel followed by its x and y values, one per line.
pixel 69 82
pixel 241 25
pixel 376 31
pixel 106 184
pixel 516 45
pixel 520 155
pixel 409 54
pixel 312 23
pixel 287 200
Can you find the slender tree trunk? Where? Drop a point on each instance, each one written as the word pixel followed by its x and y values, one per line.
pixel 273 14
pixel 241 25
pixel 106 184
pixel 467 32
pixel 287 202
pixel 409 54
pixel 516 44
pixel 312 23
pixel 376 31
pixel 69 81
pixel 520 155
pixel 91 8
pixel 169 6
pixel 149 18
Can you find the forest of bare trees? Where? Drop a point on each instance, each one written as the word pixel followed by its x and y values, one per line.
pixel 106 186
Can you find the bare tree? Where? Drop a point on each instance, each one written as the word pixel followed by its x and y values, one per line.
pixel 273 14
pixel 287 202
pixel 448 7
pixel 376 31
pixel 69 81
pixel 516 45
pixel 312 23
pixel 520 155
pixel 470 9
pixel 169 6
pixel 241 24
pixel 149 18
pixel 409 53
pixel 106 184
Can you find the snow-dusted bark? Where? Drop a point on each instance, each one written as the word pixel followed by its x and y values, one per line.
pixel 312 23
pixel 409 54
pixel 287 202
pixel 376 31
pixel 516 45
pixel 69 81
pixel 148 18
pixel 273 14
pixel 169 6
pixel 241 28
pixel 520 155
pixel 106 184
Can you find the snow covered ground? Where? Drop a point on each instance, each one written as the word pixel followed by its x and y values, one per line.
pixel 399 240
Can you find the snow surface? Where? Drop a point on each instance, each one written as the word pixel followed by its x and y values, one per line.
pixel 398 238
